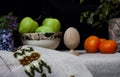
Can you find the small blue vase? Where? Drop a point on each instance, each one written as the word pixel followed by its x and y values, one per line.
pixel 6 40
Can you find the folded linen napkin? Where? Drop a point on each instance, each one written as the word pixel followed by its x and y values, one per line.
pixel 60 64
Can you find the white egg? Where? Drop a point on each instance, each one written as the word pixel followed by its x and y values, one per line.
pixel 71 38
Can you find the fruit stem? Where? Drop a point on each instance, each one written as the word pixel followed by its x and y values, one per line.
pixel 38 18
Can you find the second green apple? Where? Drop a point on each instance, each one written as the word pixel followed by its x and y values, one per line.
pixel 53 25
pixel 44 29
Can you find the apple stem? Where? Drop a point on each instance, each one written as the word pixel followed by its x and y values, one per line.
pixel 38 18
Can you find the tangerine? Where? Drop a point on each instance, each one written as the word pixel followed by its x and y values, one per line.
pixel 108 46
pixel 102 40
pixel 91 44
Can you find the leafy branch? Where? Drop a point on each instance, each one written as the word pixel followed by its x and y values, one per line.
pixel 106 10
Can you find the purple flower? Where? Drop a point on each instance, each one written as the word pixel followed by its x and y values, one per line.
pixel 12 22
pixel 8 22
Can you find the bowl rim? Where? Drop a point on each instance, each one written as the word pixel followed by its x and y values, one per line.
pixel 41 36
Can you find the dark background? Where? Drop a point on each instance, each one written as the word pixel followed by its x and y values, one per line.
pixel 67 11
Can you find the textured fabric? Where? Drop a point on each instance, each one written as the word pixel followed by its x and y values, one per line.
pixel 102 65
pixel 61 64
pixel 4 70
pixel 12 65
pixel 64 64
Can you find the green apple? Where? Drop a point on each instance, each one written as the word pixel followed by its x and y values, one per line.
pixel 44 29
pixel 53 23
pixel 27 25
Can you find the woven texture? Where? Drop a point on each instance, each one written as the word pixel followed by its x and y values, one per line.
pixel 61 64
pixel 64 64
pixel 102 65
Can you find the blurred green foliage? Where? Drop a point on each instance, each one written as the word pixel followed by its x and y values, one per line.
pixel 106 10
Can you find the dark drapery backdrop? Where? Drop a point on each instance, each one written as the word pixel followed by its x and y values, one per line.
pixel 67 11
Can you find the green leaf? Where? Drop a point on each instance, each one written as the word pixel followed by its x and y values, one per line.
pixel 81 19
pixel 85 14
pixel 101 16
pixel 90 19
pixel 81 1
pixel 96 24
pixel 105 11
pixel 101 1
pixel 10 13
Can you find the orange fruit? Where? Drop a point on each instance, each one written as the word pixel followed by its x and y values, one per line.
pixel 102 40
pixel 91 44
pixel 108 46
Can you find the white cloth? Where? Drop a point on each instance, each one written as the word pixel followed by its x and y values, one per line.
pixel 62 64
pixel 102 65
